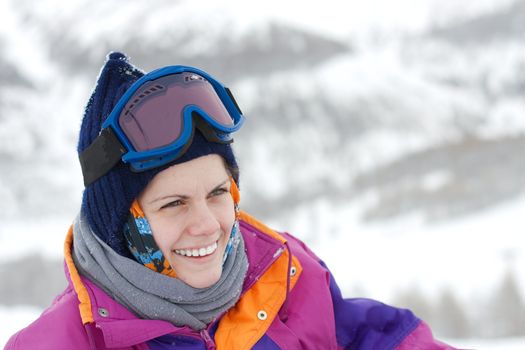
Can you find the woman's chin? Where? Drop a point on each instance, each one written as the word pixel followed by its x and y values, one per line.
pixel 199 272
pixel 202 280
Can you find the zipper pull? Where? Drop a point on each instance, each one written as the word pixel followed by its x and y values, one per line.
pixel 210 345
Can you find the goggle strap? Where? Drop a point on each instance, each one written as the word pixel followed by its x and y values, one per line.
pixel 101 156
pixel 233 99
pixel 208 131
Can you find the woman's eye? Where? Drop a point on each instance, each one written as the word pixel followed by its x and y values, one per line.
pixel 176 203
pixel 219 191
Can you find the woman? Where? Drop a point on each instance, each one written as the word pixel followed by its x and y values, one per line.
pixel 161 257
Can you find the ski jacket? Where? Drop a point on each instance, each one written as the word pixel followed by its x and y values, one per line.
pixel 289 301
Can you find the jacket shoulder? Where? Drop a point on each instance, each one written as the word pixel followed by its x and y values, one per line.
pixel 58 327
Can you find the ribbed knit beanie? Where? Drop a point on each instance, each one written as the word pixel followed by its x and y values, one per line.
pixel 107 201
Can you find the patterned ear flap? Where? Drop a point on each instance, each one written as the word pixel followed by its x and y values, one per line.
pixel 141 243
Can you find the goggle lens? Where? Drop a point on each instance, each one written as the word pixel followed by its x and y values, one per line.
pixel 154 115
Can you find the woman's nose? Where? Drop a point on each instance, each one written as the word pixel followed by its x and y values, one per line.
pixel 202 221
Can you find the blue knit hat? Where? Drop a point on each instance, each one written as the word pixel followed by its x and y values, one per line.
pixel 106 202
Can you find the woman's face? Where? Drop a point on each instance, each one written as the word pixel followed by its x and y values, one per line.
pixel 191 214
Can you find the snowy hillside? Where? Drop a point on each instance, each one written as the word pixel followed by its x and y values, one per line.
pixel 391 138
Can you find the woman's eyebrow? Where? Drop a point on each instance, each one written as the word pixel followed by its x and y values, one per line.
pixel 182 196
pixel 220 185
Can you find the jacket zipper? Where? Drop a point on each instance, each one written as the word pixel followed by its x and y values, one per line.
pixel 210 345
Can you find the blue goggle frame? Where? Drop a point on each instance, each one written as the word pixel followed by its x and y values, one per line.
pixel 145 160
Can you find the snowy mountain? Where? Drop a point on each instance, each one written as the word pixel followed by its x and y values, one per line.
pixel 364 131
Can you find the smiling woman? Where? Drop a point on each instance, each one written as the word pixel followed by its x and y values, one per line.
pixel 160 255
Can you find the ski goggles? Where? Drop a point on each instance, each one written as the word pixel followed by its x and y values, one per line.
pixel 154 121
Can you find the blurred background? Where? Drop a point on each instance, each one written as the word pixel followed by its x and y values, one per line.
pixel 388 135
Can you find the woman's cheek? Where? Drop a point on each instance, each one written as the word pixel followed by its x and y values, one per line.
pixel 165 235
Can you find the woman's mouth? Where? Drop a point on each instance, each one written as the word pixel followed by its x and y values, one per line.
pixel 198 252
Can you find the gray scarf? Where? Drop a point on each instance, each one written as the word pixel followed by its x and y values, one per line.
pixel 151 295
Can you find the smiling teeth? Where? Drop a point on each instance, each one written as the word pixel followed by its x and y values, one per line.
pixel 197 252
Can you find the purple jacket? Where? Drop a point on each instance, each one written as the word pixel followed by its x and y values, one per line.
pixel 289 301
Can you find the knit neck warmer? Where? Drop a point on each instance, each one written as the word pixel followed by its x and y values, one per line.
pixel 151 295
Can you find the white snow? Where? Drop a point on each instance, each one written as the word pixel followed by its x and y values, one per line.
pixel 13 319
pixel 488 344
pixel 44 237
pixel 468 255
